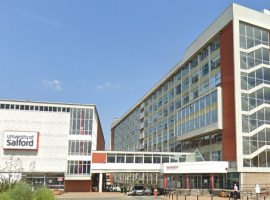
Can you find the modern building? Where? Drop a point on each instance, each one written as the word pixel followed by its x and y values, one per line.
pixel 50 143
pixel 216 100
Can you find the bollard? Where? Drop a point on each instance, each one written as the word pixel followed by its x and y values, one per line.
pixel 177 196
pixel 197 197
pixel 211 196
pixel 185 197
pixel 164 192
pixel 229 197
pixel 263 197
pixel 247 197
pixel 172 196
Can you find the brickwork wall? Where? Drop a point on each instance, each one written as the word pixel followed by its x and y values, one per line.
pixel 112 139
pixel 78 186
pixel 100 137
pixel 227 83
pixel 98 157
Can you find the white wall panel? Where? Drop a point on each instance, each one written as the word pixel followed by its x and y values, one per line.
pixel 53 140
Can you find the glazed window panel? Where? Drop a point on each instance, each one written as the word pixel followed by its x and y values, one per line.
pixel 80 147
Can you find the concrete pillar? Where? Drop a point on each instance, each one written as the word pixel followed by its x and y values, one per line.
pixel 100 180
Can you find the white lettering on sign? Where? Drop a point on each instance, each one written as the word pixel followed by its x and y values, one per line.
pixel 21 140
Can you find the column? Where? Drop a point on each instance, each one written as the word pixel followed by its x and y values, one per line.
pixel 100 183
pixel 187 182
pixel 165 181
pixel 212 181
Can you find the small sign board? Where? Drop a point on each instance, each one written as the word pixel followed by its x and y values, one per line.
pixel 257 188
pixel 60 178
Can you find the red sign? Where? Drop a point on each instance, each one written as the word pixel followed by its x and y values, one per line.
pixel 60 178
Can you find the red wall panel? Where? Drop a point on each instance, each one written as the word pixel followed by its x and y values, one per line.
pixel 98 157
pixel 227 83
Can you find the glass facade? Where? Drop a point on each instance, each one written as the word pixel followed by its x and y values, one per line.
pixel 81 126
pixel 255 76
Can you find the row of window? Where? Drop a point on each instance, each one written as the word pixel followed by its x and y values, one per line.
pixel 255 120
pixel 254 58
pixel 202 141
pixel 146 158
pixel 79 168
pixel 261 160
pixel 197 105
pixel 79 148
pixel 255 78
pixel 34 108
pixel 255 99
pixel 256 141
pixel 198 122
pixel 251 36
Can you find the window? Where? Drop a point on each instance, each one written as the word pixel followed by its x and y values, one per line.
pixel 160 102
pixel 252 36
pixel 165 112
pixel 171 82
pixel 79 147
pixel 215 45
pixel 204 70
pixel 171 107
pixel 185 99
pixel 186 83
pixel 215 62
pixel 171 94
pixel 165 87
pixel 77 167
pixel 155 106
pixel 178 103
pixel 194 94
pixel 194 63
pixel 165 98
pixel 185 70
pixel 215 80
pixel 178 75
pixel 216 137
pixel 204 87
pixel 81 121
pixel 194 77
pixel 204 54
pixel 155 96
pixel 178 89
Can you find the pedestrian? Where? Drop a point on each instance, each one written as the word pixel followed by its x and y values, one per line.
pixel 235 189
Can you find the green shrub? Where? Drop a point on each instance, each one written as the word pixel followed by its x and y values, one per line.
pixel 21 191
pixel 25 191
pixel 43 193
pixel 5 196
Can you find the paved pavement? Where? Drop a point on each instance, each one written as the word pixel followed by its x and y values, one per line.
pixel 118 196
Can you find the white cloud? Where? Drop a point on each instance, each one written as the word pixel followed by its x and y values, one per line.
pixel 107 86
pixel 54 85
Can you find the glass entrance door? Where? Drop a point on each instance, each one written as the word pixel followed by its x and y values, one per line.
pixel 195 181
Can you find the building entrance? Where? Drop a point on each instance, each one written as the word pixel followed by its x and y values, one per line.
pixel 195 181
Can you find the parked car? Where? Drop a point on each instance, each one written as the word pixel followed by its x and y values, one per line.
pixel 138 190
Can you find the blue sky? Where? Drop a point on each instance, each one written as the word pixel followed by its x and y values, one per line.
pixel 103 52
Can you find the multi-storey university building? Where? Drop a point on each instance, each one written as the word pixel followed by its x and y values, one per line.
pixel 49 143
pixel 216 100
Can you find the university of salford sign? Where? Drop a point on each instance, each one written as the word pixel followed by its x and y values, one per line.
pixel 16 140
